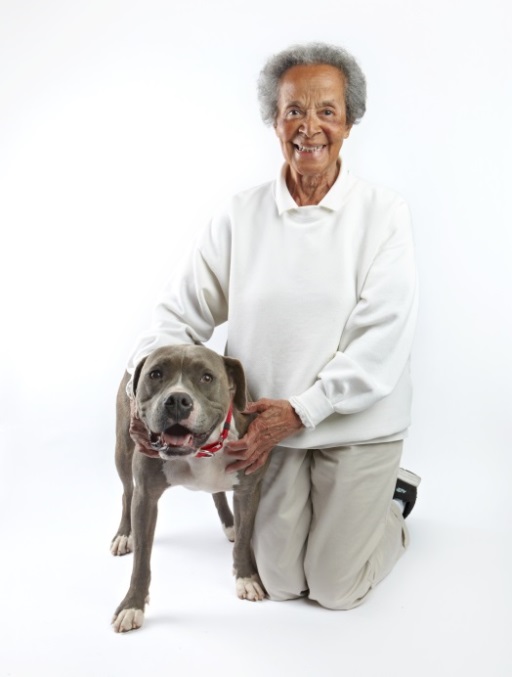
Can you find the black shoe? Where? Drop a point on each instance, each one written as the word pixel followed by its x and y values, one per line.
pixel 406 489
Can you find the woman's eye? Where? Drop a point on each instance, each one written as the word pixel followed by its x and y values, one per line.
pixel 156 373
pixel 206 378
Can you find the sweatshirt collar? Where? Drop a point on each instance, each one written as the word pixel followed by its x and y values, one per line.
pixel 332 201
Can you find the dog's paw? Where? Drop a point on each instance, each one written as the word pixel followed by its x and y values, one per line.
pixel 128 619
pixel 250 588
pixel 230 533
pixel 121 545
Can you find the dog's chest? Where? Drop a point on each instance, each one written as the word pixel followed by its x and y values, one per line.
pixel 201 474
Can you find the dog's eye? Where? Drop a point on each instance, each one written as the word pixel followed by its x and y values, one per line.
pixel 156 373
pixel 206 378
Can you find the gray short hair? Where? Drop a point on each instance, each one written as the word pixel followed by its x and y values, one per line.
pixel 305 55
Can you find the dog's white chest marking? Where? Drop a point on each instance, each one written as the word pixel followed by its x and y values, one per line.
pixel 201 474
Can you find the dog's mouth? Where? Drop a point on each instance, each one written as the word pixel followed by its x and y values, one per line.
pixel 179 440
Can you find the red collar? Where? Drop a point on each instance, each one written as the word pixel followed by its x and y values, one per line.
pixel 209 449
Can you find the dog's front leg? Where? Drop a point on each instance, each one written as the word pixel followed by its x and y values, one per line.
pixel 245 503
pixel 130 613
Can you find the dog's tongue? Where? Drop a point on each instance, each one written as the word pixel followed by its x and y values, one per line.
pixel 183 440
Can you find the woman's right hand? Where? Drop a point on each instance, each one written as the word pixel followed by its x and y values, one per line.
pixel 140 434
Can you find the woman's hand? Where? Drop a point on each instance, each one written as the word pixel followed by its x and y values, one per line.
pixel 140 434
pixel 275 420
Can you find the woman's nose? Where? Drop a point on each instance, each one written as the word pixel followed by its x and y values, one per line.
pixel 310 125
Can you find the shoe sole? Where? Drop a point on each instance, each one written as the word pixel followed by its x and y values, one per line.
pixel 409 477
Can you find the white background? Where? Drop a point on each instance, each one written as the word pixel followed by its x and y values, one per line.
pixel 124 125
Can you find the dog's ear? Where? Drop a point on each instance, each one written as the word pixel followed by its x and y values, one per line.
pixel 136 374
pixel 237 383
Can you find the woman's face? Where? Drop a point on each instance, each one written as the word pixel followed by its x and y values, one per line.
pixel 311 121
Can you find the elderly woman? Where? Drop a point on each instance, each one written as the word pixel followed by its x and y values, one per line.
pixel 315 274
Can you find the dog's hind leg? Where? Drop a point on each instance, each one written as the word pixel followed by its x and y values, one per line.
pixel 225 514
pixel 122 543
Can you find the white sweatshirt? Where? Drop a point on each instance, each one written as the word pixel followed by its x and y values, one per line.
pixel 321 303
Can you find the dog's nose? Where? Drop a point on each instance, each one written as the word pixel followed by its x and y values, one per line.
pixel 179 405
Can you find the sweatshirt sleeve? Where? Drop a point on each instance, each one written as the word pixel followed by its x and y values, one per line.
pixel 376 342
pixel 194 301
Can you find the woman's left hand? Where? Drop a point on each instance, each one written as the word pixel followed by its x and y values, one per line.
pixel 275 420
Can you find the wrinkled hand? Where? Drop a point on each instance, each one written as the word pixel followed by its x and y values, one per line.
pixel 140 434
pixel 275 420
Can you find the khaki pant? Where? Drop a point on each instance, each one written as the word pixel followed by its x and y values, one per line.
pixel 327 523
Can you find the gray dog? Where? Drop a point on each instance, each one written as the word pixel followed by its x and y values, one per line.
pixel 189 401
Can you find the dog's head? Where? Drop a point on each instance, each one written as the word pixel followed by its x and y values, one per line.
pixel 183 394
